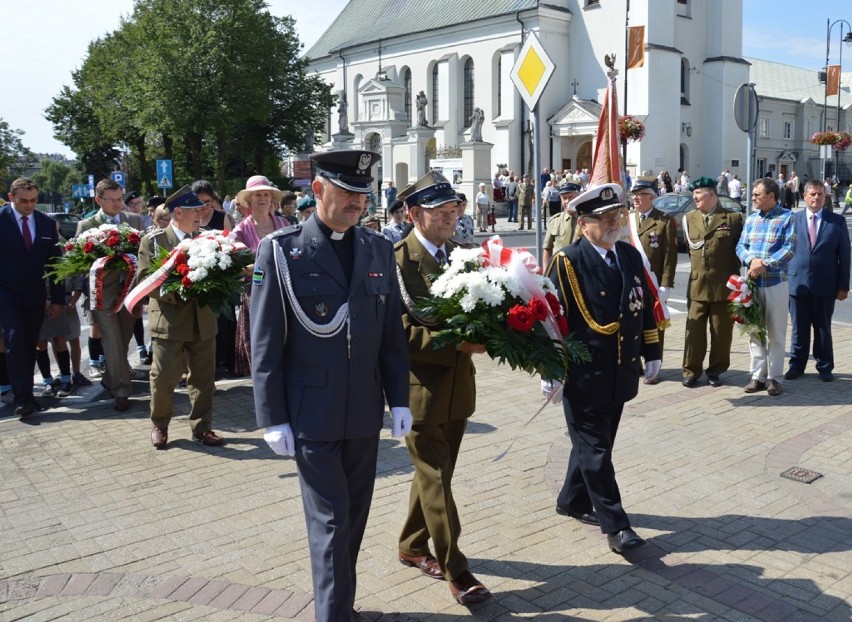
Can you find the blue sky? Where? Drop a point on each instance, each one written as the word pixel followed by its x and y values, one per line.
pixel 45 40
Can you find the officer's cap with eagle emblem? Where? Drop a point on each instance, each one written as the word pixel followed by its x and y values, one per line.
pixel 347 168
pixel 598 200
pixel 431 190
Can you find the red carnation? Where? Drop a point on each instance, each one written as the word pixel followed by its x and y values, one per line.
pixel 520 319
pixel 113 241
pixel 133 238
pixel 186 282
pixel 180 258
pixel 69 246
pixel 538 309
pixel 553 301
pixel 562 323
pixel 738 319
pixel 88 247
pixel 182 269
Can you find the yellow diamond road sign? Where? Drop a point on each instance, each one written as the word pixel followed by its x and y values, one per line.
pixel 532 70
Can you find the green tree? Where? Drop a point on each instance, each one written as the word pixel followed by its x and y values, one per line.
pixel 55 178
pixel 14 156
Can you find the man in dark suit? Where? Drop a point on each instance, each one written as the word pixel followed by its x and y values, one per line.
pixel 183 333
pixel 655 232
pixel 602 287
pixel 327 351
pixel 116 328
pixel 28 243
pixel 818 275
pixel 442 396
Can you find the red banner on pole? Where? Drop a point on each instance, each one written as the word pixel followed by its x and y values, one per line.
pixel 832 83
pixel 636 47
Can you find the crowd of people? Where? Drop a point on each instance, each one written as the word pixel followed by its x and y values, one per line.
pixel 325 356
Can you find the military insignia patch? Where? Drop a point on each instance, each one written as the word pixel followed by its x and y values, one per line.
pixel 321 309
pixel 364 163
pixel 257 277
pixel 607 194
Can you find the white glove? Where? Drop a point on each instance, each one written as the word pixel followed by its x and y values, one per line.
pixel 652 368
pixel 402 421
pixel 548 392
pixel 663 293
pixel 280 439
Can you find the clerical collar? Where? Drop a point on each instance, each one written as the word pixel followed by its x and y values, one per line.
pixel 334 236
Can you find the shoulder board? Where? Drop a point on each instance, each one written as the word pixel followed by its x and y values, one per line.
pixel 285 231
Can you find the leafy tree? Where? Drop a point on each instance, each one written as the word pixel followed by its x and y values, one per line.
pixel 55 178
pixel 206 83
pixel 14 156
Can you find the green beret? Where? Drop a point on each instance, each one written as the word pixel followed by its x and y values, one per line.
pixel 702 182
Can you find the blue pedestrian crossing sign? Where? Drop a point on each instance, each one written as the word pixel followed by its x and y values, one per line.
pixel 164 174
pixel 118 177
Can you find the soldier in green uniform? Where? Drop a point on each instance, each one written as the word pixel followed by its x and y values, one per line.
pixel 655 231
pixel 711 234
pixel 562 228
pixel 442 396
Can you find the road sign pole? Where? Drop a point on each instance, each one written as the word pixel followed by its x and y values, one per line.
pixel 749 161
pixel 537 208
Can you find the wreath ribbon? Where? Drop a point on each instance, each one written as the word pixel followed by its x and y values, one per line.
pixel 96 279
pixel 741 291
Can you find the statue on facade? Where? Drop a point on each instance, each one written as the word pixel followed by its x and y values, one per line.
pixel 342 107
pixel 308 147
pixel 421 102
pixel 476 120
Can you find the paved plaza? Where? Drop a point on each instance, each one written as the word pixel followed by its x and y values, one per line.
pixel 97 525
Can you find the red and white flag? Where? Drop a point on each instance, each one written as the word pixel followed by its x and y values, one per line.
pixel 606 166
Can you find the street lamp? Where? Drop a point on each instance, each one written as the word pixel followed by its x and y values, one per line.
pixel 848 41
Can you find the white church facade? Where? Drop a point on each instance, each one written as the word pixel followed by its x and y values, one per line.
pixel 378 55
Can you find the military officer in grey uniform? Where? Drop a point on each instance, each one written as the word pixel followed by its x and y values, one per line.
pixel 562 228
pixel 711 234
pixel 328 350
pixel 601 284
pixel 656 232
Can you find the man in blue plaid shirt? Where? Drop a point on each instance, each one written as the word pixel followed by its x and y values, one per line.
pixel 766 246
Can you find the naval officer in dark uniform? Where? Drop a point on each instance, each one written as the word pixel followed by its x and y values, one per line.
pixel 328 350
pixel 601 284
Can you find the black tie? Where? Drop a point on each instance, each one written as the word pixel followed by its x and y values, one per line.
pixel 441 257
pixel 613 263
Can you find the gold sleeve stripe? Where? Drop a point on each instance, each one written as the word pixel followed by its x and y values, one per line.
pixel 651 336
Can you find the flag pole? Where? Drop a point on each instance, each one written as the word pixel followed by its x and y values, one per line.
pixel 626 62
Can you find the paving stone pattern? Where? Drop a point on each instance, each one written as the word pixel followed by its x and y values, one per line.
pixel 97 525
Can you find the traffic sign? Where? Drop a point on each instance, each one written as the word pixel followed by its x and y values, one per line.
pixel 118 177
pixel 80 191
pixel 164 174
pixel 532 71
pixel 746 107
pixel 91 185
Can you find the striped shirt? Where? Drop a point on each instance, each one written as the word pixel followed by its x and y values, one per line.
pixel 770 236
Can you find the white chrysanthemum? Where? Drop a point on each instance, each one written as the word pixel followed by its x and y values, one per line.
pixel 460 256
pixel 225 262
pixel 198 274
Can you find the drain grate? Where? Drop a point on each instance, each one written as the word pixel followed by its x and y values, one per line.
pixel 801 474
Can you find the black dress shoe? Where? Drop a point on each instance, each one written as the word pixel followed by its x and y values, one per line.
pixel 689 382
pixel 25 410
pixel 792 374
pixel 587 518
pixel 826 376
pixel 715 381
pixel 624 540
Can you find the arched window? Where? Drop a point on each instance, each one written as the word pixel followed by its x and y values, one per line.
pixel 684 81
pixel 435 94
pixel 406 81
pixel 468 91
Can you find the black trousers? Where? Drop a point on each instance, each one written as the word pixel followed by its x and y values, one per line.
pixel 336 478
pixel 21 326
pixel 808 311
pixel 590 480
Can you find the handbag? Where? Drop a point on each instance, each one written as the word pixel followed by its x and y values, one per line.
pixel 492 217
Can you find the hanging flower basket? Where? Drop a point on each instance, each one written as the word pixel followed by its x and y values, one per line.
pixel 631 129
pixel 839 140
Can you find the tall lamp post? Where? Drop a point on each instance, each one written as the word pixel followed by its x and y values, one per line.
pixel 829 25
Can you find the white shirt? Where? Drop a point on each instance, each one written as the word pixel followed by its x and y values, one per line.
pixel 482 198
pixel 428 245
pixel 735 188
pixel 180 234
pixel 602 252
